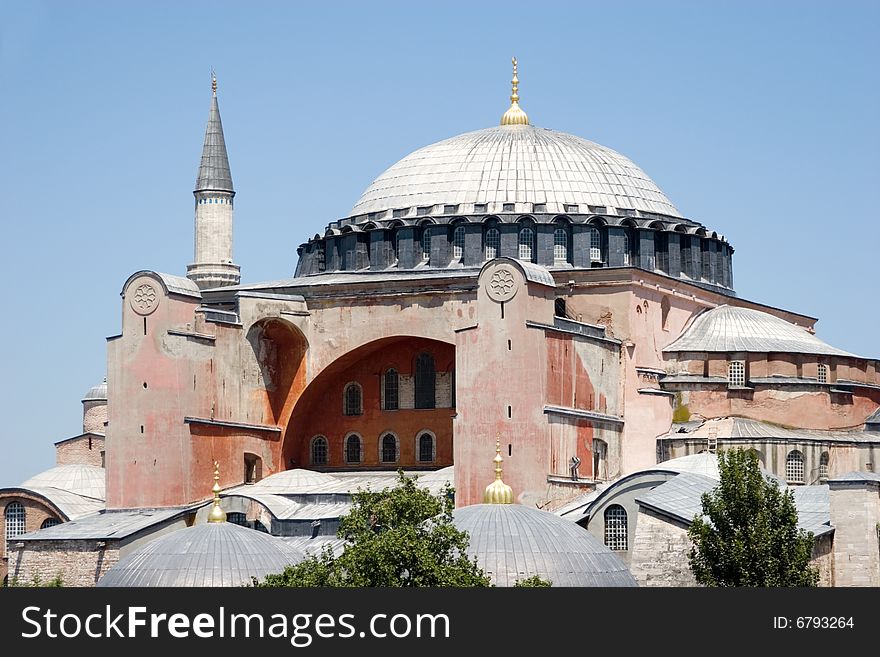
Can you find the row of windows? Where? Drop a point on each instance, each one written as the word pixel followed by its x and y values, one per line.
pixel 736 373
pixel 226 201
pixel 388 448
pixel 424 383
pixel 795 472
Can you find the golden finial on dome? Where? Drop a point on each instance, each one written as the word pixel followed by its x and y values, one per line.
pixel 498 492
pixel 514 115
pixel 213 82
pixel 217 513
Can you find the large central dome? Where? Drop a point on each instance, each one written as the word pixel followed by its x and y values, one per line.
pixel 519 164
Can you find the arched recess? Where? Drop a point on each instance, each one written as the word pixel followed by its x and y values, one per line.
pixel 280 352
pixel 368 364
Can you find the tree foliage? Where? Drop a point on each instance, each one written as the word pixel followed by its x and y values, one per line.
pixel 402 536
pixel 750 535
pixel 535 581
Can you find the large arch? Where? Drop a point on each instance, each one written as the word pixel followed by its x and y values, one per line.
pixel 280 350
pixel 319 409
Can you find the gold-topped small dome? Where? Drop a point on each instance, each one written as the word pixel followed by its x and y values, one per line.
pixel 217 513
pixel 498 492
pixel 515 115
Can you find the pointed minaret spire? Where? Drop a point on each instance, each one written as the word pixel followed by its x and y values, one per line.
pixel 213 266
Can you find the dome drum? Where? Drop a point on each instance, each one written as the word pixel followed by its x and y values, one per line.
pixel 670 245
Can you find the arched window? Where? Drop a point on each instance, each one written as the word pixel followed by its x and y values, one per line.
pixel 526 243
pixel 823 373
pixel 237 518
pixel 253 468
pixel 426 243
pixel 426 448
pixel 615 527
pixel 352 399
pixel 560 244
pixel 425 382
pixel 664 312
pixel 600 456
pixel 389 451
pixel 390 388
pixel 794 467
pixel 493 243
pixel 626 257
pixel 319 450
pixel 16 517
pixel 823 467
pixel 353 453
pixel 50 522
pixel 595 245
pixel 458 242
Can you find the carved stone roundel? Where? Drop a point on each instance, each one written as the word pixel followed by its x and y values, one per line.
pixel 502 284
pixel 145 299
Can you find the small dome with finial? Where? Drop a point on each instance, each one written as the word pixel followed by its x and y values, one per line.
pixel 498 492
pixel 514 115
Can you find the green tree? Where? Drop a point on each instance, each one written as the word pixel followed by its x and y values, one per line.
pixel 750 536
pixel 535 581
pixel 402 536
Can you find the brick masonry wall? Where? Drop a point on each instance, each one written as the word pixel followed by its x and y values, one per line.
pixel 94 416
pixel 659 552
pixel 855 512
pixel 36 512
pixel 79 563
pixel 87 450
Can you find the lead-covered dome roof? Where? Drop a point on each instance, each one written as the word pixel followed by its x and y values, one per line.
pixel 515 164
pixel 512 542
pixel 212 554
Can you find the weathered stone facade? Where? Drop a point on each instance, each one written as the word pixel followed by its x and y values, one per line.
pixel 76 562
pixel 87 449
pixel 659 553
pixel 855 514
pixel 37 511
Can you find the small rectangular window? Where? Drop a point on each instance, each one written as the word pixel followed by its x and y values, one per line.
pixel 450 209
pixel 424 211
pixel 400 212
pixel 823 373
pixel 539 207
pixel 508 207
pixel 480 207
pixel 736 374
pixel 598 209
pixel 626 212
pixel 569 207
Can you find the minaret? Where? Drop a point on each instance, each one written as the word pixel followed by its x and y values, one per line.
pixel 213 266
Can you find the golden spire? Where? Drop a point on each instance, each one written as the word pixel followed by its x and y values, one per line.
pixel 213 82
pixel 217 513
pixel 514 115
pixel 498 492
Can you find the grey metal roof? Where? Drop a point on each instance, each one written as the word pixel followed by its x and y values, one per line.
pixel 214 173
pixel 85 480
pixel 858 476
pixel 874 418
pixel 284 508
pixel 313 546
pixel 515 164
pixel 297 480
pixel 210 554
pixel 740 428
pixel 172 284
pixel 533 273
pixel 813 506
pixel 734 329
pixel 107 525
pixel 71 505
pixel 97 392
pixel 513 541
pixel 681 498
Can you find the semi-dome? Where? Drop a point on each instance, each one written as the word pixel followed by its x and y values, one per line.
pixel 512 542
pixel 295 480
pixel 734 329
pixel 520 164
pixel 212 554
pixel 85 480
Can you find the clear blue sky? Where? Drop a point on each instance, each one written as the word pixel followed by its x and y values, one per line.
pixel 757 119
